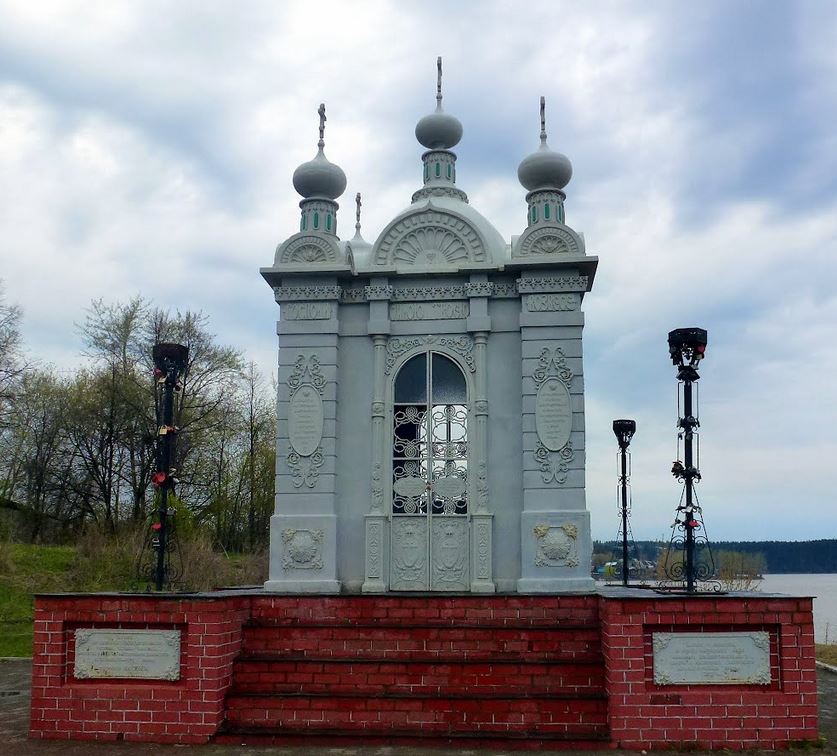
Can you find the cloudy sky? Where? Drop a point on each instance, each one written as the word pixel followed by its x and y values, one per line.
pixel 148 148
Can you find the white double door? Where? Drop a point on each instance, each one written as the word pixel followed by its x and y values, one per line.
pixel 430 528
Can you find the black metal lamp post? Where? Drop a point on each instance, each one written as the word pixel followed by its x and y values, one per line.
pixel 624 431
pixel 687 347
pixel 170 361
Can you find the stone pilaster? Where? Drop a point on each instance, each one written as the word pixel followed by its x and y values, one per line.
pixel 303 529
pixel 377 520
pixel 555 524
pixel 481 517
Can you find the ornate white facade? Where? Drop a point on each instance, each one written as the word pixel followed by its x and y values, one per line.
pixel 431 396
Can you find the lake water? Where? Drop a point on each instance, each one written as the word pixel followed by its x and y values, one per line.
pixel 823 587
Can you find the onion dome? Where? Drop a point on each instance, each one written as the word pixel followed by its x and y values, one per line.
pixel 320 177
pixel 439 130
pixel 544 168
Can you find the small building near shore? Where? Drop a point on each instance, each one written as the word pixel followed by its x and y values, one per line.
pixel 431 387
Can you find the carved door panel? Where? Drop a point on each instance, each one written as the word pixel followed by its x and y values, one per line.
pixel 430 525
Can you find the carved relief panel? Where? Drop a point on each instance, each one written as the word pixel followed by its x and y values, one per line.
pixel 305 421
pixel 556 545
pixel 553 416
pixel 408 570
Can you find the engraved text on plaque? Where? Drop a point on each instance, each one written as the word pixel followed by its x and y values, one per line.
pixel 305 421
pixel 145 654
pixel 553 414
pixel 712 658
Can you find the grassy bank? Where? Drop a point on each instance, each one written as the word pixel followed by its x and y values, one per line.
pixel 827 652
pixel 24 571
pixel 99 563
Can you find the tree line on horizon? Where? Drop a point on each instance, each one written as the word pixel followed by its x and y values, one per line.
pixel 77 446
pixel 776 557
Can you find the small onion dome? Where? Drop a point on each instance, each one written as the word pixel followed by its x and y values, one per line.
pixel 319 177
pixel 439 130
pixel 544 168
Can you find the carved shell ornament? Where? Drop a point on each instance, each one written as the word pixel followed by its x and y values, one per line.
pixel 307 249
pixel 549 240
pixel 430 237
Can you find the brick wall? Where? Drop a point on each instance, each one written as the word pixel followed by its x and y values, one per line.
pixel 640 713
pixel 645 715
pixel 188 710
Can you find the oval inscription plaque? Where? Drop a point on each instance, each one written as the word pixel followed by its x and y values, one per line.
pixel 449 487
pixel 410 487
pixel 553 414
pixel 305 420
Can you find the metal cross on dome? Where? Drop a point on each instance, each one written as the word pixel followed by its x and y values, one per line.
pixel 321 111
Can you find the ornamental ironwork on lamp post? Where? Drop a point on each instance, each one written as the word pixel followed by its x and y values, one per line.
pixel 170 363
pixel 689 559
pixel 624 431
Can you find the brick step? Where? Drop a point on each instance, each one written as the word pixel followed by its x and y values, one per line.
pixel 550 623
pixel 578 717
pixel 423 641
pixel 440 677
pixel 369 737
pixel 454 610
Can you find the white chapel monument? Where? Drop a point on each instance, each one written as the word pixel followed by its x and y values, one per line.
pixel 431 390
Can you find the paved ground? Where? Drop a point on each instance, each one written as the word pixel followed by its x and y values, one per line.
pixel 14 724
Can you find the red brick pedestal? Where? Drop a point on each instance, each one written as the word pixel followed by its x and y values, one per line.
pixel 524 671
pixel 189 710
pixel 643 715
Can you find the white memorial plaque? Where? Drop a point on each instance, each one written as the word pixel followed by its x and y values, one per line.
pixel 305 420
pixel 553 414
pixel 143 654
pixel 740 658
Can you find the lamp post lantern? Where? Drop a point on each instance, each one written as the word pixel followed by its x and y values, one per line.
pixel 170 362
pixel 624 431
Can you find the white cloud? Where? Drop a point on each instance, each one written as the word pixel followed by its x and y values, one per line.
pixel 149 147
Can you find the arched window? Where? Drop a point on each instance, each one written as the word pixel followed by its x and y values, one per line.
pixel 430 438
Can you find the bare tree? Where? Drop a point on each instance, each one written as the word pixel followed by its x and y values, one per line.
pixel 11 363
